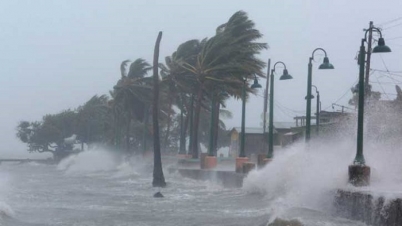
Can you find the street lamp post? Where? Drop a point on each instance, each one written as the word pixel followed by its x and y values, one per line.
pixel 285 76
pixel 324 65
pixel 359 173
pixel 317 117
pixel 242 154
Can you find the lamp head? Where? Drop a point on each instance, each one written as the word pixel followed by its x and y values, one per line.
pixel 255 85
pixel 326 64
pixel 311 97
pixel 285 75
pixel 381 47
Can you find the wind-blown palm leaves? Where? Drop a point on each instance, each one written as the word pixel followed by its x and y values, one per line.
pixel 226 60
pixel 196 72
pixel 178 84
pixel 132 94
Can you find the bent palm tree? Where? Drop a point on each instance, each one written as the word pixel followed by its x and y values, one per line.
pixel 227 58
pixel 158 177
pixel 133 92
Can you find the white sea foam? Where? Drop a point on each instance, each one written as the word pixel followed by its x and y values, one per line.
pixel 125 169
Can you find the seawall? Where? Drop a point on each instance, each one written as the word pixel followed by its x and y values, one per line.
pixel 227 179
pixel 361 206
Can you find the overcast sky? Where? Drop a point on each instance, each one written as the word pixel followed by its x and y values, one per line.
pixel 55 55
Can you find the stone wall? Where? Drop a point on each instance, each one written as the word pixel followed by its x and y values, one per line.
pixel 368 209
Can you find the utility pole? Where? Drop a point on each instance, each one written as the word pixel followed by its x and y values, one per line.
pixel 264 123
pixel 369 41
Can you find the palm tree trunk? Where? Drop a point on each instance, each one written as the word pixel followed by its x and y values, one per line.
pixel 216 127
pixel 197 109
pixel 158 177
pixel 191 120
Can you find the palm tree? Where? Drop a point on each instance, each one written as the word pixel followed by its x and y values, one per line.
pixel 227 58
pixel 133 92
pixel 178 84
pixel 158 177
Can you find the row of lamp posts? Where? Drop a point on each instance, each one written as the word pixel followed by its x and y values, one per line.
pixel 286 76
pixel 359 173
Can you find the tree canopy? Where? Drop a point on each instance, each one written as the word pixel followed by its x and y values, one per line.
pixel 196 73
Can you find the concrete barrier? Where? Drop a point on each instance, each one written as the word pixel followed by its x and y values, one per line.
pixel 202 160
pixel 226 178
pixel 188 162
pixel 248 166
pixel 368 209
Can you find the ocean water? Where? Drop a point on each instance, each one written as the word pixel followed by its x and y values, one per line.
pixel 99 188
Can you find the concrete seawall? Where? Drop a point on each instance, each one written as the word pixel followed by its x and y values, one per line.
pixel 227 179
pixel 376 211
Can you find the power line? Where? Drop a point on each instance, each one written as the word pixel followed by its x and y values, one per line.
pixel 340 98
pixel 382 88
pixel 373 69
pixel 390 21
pixel 392 78
pixel 397 25
pixel 385 74
pixel 389 39
pixel 289 109
pixel 386 83
pixel 283 111
pixel 277 103
pixel 383 62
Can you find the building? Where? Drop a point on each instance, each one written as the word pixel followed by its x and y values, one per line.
pixel 256 141
pixel 285 133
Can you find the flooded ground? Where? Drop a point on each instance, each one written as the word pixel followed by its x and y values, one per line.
pixel 90 190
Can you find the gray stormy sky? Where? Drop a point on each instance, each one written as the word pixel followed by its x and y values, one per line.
pixel 57 54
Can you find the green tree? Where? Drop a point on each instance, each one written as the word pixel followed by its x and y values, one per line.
pixel 50 134
pixel 94 121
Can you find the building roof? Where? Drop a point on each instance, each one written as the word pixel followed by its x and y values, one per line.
pixel 284 125
pixel 334 113
pixel 259 130
pixel 251 130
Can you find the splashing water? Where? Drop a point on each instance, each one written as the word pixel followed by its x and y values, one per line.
pixel 308 176
pixel 101 160
pixel 94 160
pixel 5 210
